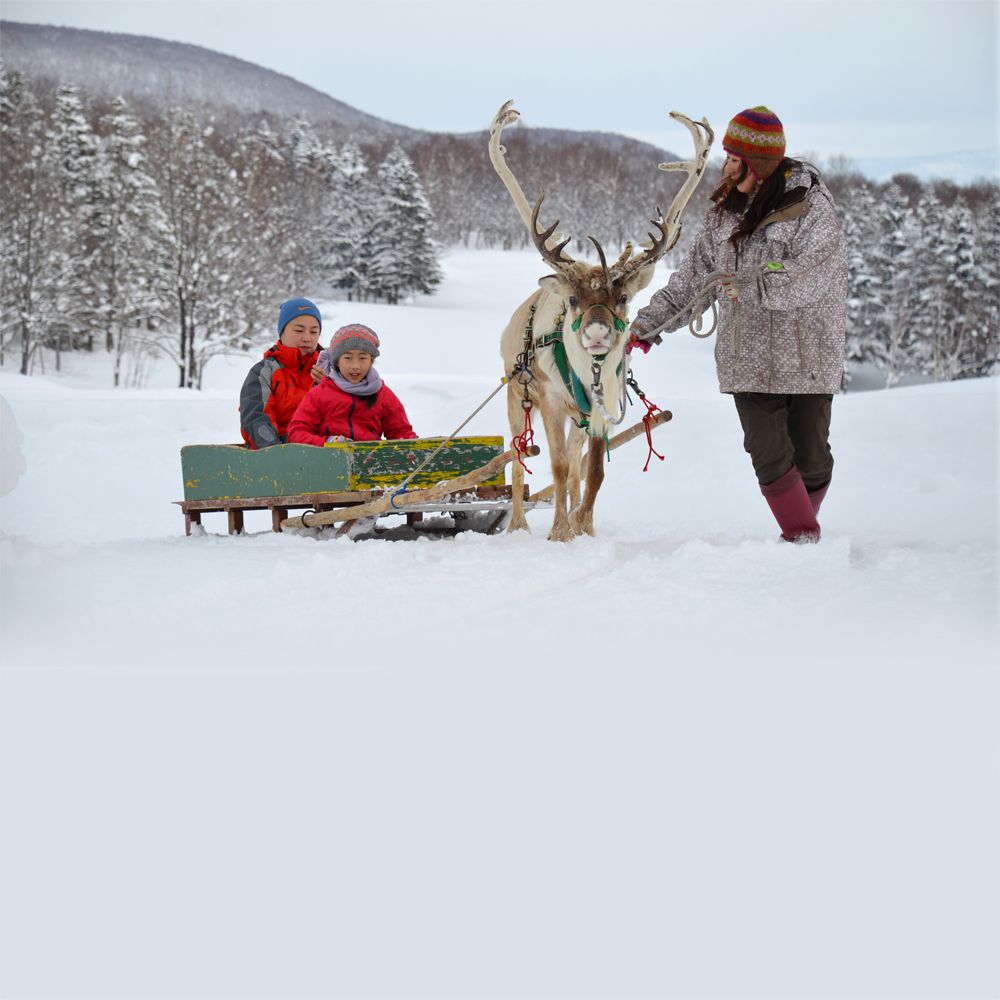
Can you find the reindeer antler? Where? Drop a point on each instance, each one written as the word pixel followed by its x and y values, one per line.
pixel 670 225
pixel 604 260
pixel 551 255
pixel 550 244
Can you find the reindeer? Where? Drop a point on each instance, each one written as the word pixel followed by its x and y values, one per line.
pixel 564 347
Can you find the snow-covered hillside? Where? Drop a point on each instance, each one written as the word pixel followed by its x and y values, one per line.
pixel 678 759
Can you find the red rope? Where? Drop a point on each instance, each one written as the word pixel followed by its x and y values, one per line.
pixel 525 440
pixel 651 408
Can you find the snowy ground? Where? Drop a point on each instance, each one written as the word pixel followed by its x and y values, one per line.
pixel 677 759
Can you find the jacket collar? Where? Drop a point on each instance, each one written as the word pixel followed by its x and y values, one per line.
pixel 289 357
pixel 793 205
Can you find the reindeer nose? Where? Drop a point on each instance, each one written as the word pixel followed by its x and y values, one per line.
pixel 597 337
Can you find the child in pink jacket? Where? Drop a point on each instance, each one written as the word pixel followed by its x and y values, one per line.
pixel 352 403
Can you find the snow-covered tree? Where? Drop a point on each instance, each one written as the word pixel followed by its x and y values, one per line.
pixel 956 355
pixel 301 226
pixel 206 236
pixel 27 223
pixel 865 309
pixel 987 286
pixel 273 256
pixel 347 216
pixel 305 150
pixel 71 159
pixel 894 257
pixel 130 263
pixel 404 256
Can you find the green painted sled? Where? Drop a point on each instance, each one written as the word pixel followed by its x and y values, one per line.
pixel 232 472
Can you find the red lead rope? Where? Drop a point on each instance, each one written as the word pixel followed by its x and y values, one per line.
pixel 651 409
pixel 525 440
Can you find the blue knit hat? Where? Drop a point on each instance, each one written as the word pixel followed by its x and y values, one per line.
pixel 297 307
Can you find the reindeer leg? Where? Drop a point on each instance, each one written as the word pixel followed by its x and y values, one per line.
pixel 577 436
pixel 583 516
pixel 555 433
pixel 515 417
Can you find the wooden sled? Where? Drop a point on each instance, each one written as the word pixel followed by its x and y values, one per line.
pixel 356 484
pixel 234 479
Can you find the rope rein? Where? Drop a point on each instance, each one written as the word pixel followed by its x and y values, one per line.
pixel 695 310
pixel 437 451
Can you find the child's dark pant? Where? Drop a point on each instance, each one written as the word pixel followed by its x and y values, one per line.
pixel 780 431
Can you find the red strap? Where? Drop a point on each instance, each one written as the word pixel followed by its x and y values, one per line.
pixel 525 440
pixel 651 408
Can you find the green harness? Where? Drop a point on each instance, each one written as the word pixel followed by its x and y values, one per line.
pixel 571 380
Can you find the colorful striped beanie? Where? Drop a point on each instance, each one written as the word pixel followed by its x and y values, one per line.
pixel 353 337
pixel 757 137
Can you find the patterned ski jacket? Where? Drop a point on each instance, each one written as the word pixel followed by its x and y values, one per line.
pixel 272 392
pixel 785 333
pixel 327 411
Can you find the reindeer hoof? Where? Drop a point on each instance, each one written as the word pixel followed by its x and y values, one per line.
pixel 562 533
pixel 518 525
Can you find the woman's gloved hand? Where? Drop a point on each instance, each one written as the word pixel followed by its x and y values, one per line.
pixel 644 345
pixel 727 284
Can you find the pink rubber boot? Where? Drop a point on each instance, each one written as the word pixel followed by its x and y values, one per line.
pixel 816 498
pixel 792 508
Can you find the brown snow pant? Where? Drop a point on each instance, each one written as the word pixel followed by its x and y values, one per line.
pixel 780 431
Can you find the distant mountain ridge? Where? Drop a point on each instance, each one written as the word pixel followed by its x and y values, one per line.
pixel 107 65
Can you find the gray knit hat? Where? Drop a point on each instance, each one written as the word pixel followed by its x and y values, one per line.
pixel 353 337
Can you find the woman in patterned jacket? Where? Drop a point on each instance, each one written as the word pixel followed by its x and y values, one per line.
pixel 774 248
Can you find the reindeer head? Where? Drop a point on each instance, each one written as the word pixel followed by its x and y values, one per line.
pixel 597 298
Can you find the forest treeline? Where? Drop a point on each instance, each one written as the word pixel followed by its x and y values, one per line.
pixel 142 232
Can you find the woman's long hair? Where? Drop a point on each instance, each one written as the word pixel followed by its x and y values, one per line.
pixel 752 210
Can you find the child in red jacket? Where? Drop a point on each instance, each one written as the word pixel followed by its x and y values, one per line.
pixel 275 386
pixel 352 403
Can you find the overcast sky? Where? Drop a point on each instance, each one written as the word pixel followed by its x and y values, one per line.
pixel 863 79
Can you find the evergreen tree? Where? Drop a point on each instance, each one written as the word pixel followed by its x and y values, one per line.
pixel 72 162
pixel 130 263
pixel 865 309
pixel 305 151
pixel 932 266
pixel 301 226
pixel 27 223
pixel 987 286
pixel 348 213
pixel 404 256
pixel 959 336
pixel 894 256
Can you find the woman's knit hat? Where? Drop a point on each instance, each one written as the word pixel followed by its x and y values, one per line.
pixel 353 337
pixel 289 310
pixel 757 137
